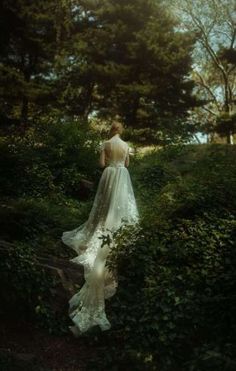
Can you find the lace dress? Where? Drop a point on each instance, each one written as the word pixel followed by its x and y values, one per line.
pixel 114 205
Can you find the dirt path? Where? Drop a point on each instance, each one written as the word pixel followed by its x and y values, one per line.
pixel 55 353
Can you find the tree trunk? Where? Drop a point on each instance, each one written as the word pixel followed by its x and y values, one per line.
pixel 88 101
pixel 230 138
pixel 24 110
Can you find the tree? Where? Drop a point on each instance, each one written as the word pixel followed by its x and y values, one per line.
pixel 28 37
pixel 96 58
pixel 214 23
pixel 126 58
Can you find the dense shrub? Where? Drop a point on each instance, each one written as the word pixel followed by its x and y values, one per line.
pixel 23 284
pixel 40 222
pixel 50 158
pixel 175 305
pixel 176 297
pixel 27 290
pixel 186 180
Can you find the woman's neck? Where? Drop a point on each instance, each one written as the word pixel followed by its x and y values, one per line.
pixel 115 135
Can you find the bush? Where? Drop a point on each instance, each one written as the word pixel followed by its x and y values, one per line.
pixel 175 305
pixel 184 181
pixel 50 158
pixel 26 290
pixel 22 291
pixel 176 293
pixel 40 222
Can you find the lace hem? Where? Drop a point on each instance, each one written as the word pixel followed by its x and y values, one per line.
pixel 87 306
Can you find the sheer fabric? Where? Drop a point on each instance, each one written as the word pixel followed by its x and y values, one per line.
pixel 114 205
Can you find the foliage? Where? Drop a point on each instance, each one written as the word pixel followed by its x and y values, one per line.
pixel 128 58
pixel 52 157
pixel 11 362
pixel 177 132
pixel 28 289
pixel 28 46
pixel 38 174
pixel 187 180
pixel 29 292
pixel 40 222
pixel 226 123
pixel 175 304
pixel 95 58
pixel 176 292
pixel 213 23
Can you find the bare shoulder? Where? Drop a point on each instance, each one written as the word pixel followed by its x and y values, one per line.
pixel 124 142
pixel 126 145
pixel 106 144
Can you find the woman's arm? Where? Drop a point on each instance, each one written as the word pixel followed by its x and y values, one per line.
pixel 102 159
pixel 102 162
pixel 127 158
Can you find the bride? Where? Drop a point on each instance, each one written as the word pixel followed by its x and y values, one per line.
pixel 114 205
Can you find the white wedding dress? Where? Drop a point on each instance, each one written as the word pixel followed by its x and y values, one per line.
pixel 114 205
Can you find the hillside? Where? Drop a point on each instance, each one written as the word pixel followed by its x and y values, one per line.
pixel 175 305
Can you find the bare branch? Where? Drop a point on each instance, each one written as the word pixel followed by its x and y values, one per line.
pixel 229 37
pixel 209 111
pixel 203 83
pixel 233 39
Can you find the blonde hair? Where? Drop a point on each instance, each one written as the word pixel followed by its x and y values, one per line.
pixel 116 128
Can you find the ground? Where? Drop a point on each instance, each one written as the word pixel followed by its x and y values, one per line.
pixel 54 353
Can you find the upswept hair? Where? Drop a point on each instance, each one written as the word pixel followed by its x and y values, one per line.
pixel 116 128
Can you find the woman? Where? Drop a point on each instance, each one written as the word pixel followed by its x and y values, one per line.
pixel 114 205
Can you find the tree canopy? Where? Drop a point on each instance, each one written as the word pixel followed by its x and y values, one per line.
pixel 83 58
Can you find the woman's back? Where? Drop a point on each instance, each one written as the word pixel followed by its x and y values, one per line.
pixel 116 152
